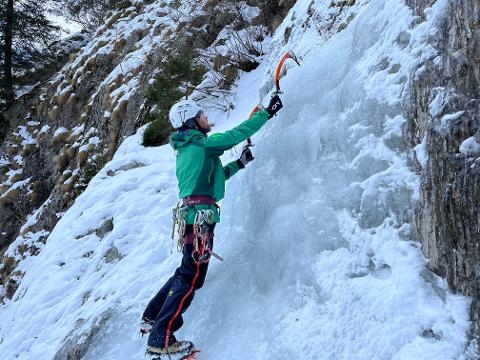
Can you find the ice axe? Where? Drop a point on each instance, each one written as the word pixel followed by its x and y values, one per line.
pixel 278 75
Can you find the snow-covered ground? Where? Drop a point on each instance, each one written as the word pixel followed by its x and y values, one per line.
pixel 68 27
pixel 320 261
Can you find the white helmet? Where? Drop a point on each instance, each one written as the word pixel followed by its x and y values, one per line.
pixel 182 111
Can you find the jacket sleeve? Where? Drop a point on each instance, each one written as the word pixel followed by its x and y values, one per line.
pixel 228 139
pixel 231 169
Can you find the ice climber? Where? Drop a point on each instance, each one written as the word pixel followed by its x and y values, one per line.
pixel 201 181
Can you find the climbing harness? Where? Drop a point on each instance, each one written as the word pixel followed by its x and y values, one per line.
pixel 201 238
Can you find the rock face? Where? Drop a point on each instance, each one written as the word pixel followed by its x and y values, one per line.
pixel 444 130
pixel 65 129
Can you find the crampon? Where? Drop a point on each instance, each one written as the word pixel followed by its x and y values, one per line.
pixel 192 355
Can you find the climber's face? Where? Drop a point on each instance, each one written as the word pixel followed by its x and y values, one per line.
pixel 203 123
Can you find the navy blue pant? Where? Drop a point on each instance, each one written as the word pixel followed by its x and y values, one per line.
pixel 174 298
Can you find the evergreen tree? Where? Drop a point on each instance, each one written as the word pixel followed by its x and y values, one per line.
pixel 25 36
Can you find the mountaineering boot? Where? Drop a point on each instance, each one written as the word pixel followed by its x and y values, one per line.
pixel 177 349
pixel 146 325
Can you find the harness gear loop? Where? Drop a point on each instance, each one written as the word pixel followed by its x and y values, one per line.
pixel 202 246
pixel 202 237
pixel 180 219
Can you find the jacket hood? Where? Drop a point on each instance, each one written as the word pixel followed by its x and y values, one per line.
pixel 182 138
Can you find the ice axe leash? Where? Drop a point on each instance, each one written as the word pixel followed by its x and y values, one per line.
pixel 276 79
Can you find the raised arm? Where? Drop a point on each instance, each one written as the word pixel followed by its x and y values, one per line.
pixel 230 138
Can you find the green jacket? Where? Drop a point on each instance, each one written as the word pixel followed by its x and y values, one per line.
pixel 198 166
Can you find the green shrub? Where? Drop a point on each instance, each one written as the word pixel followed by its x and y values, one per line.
pixel 177 77
pixel 158 130
pixel 92 167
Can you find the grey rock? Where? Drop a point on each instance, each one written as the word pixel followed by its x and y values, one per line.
pixel 105 228
pixel 448 215
pixel 81 338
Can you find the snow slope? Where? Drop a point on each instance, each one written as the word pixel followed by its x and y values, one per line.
pixel 320 260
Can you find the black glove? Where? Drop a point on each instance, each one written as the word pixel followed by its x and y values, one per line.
pixel 246 156
pixel 274 106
